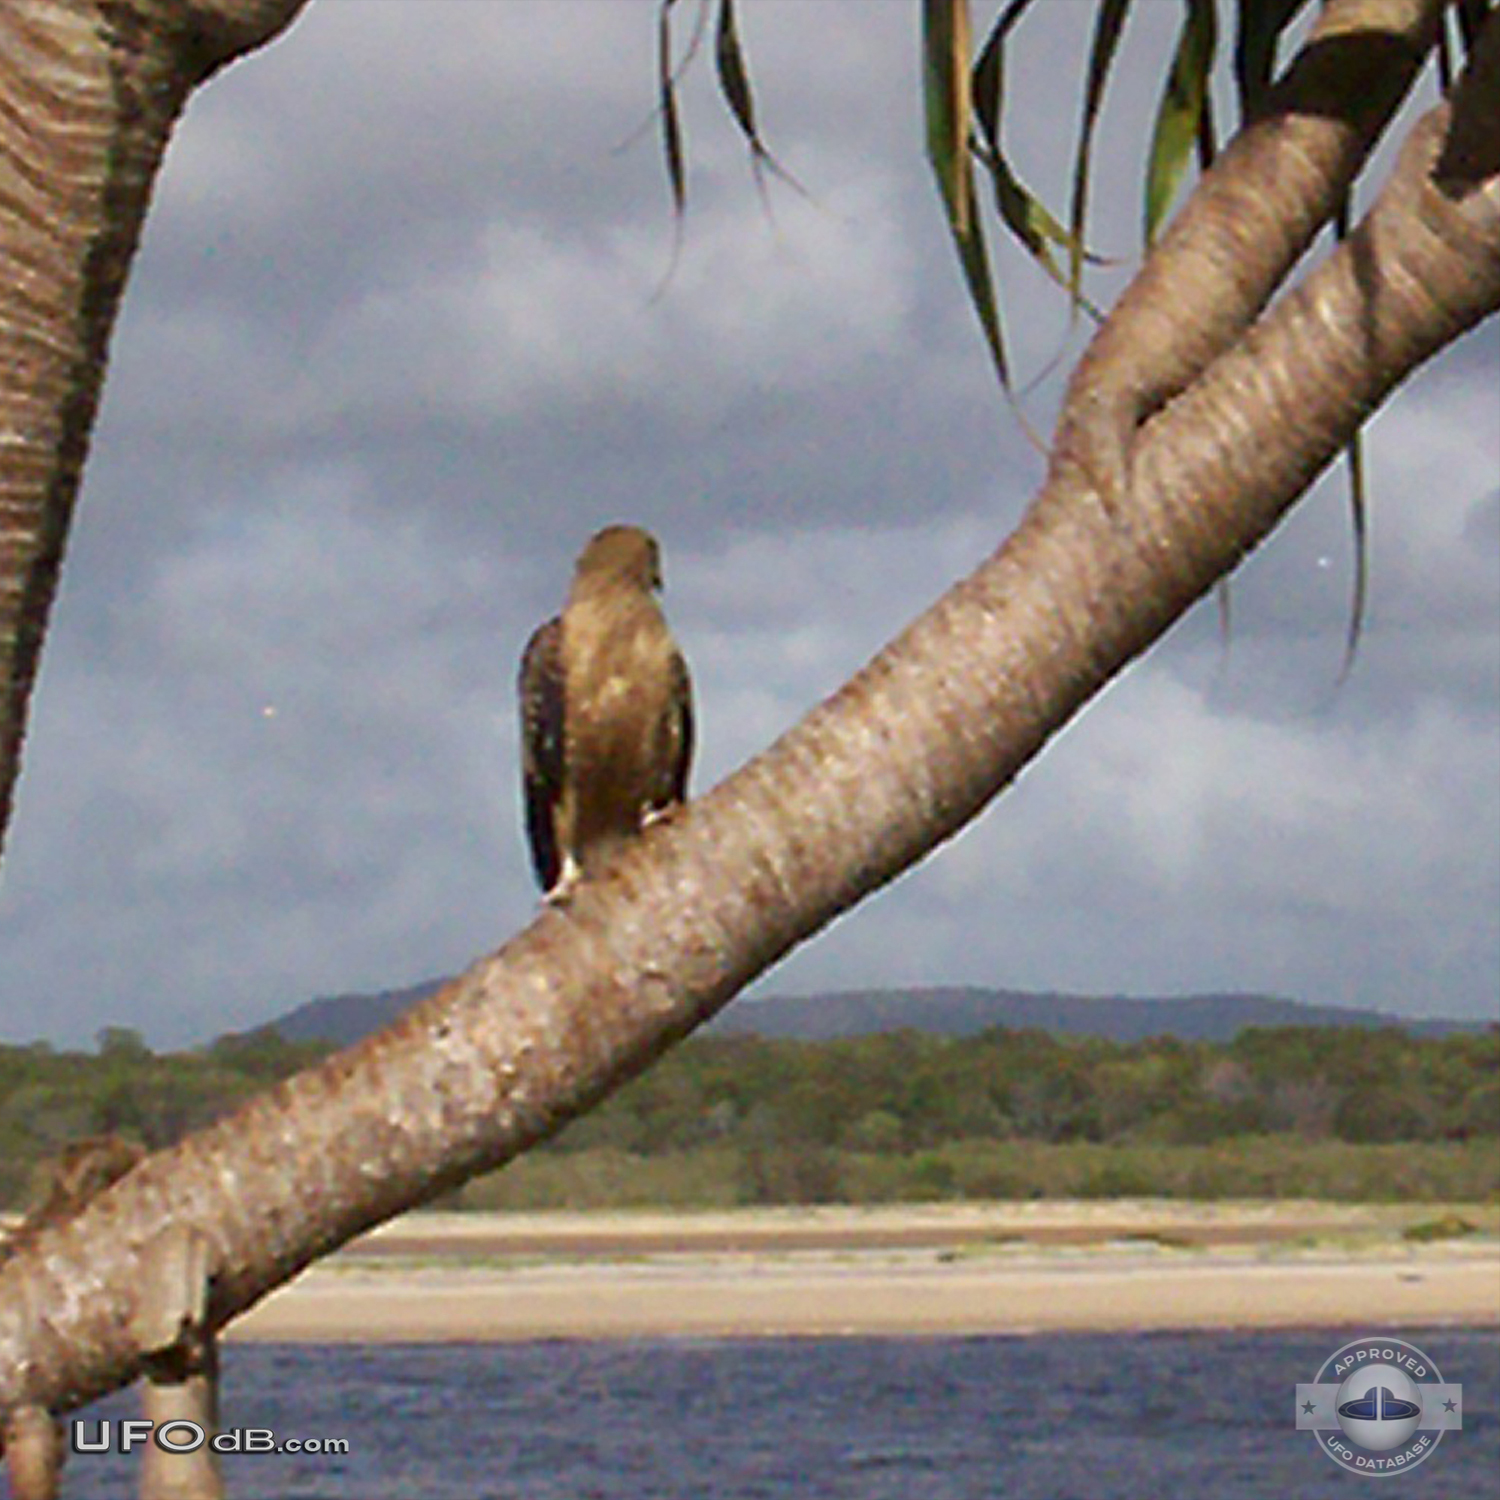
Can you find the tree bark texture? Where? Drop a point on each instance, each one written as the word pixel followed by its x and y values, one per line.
pixel 873 779
pixel 89 90
pixel 1252 218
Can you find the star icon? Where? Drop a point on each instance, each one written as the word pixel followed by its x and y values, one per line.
pixel 1309 1407
pixel 1450 1405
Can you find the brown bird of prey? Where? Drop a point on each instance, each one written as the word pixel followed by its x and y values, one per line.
pixel 606 712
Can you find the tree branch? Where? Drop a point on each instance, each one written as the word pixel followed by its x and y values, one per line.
pixel 894 763
pixel 1251 219
pixel 89 93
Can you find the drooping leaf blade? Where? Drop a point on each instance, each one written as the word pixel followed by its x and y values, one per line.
pixel 671 123
pixel 734 76
pixel 949 105
pixel 946 88
pixel 1208 146
pixel 988 78
pixel 734 84
pixel 1180 115
pixel 1021 211
pixel 1354 457
pixel 1031 223
pixel 1109 22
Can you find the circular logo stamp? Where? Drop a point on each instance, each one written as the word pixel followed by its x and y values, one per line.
pixel 1379 1406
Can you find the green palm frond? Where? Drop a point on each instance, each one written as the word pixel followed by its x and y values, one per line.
pixel 1028 219
pixel 965 96
pixel 1108 25
pixel 1182 118
pixel 948 94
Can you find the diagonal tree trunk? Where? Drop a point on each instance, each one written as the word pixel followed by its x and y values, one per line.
pixel 897 761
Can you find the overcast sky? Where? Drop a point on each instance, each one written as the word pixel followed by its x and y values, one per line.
pixel 399 340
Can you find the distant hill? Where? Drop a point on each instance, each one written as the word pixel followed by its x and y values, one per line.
pixel 962 1012
pixel 942 1011
pixel 346 1018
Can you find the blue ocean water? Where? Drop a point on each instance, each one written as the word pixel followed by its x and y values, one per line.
pixel 1055 1417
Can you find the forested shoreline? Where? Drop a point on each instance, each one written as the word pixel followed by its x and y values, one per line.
pixel 1292 1112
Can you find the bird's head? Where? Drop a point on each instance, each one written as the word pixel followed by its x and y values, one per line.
pixel 625 552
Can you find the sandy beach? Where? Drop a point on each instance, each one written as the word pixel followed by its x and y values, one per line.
pixel 970 1269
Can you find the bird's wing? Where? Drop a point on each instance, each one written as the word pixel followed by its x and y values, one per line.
pixel 682 704
pixel 541 688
